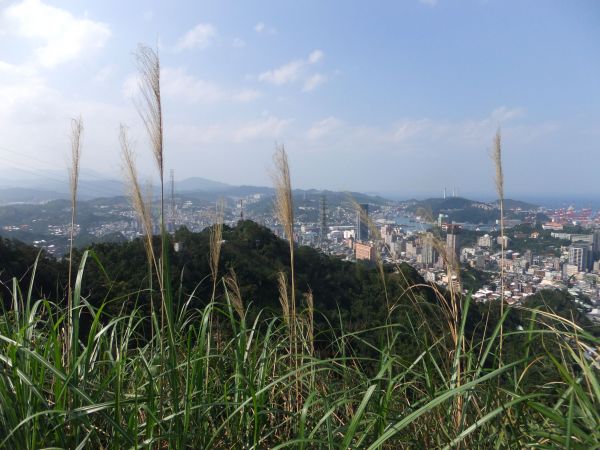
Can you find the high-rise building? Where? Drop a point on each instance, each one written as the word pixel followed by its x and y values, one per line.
pixel 485 241
pixel 365 252
pixel 362 227
pixel 428 252
pixel 528 256
pixel 580 255
pixel 323 220
pixel 453 243
pixel 596 245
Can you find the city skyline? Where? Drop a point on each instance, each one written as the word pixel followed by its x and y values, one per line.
pixel 402 99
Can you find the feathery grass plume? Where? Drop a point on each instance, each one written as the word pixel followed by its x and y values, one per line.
pixel 451 307
pixel 151 110
pixel 139 200
pixel 216 240
pixel 497 158
pixel 286 310
pixel 284 207
pixel 284 300
pixel 233 286
pixel 454 315
pixel 310 316
pixel 76 136
pixel 284 204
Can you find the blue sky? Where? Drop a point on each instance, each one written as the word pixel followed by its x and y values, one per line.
pixel 398 97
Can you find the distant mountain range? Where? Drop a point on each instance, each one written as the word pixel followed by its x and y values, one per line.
pixel 53 185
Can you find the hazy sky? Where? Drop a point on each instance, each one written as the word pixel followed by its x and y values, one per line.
pixel 398 97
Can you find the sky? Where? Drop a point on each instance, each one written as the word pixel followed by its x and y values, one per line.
pixel 395 97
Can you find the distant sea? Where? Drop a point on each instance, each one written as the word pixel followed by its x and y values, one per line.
pixel 592 202
pixel 410 224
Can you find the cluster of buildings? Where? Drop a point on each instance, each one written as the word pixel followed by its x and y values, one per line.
pixel 574 266
pixel 367 232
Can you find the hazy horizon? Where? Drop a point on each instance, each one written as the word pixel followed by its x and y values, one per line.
pixel 39 178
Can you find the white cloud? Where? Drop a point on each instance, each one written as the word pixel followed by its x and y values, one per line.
pixel 261 28
pixel 284 74
pixel 323 128
pixel 148 15
pixel 131 86
pixel 201 36
pixel 467 130
pixel 105 74
pixel 265 128
pixel 65 37
pixel 34 120
pixel 21 87
pixel 407 129
pixel 269 127
pixel 314 81
pixel 296 70
pixel 246 95
pixel 503 114
pixel 8 69
pixel 178 84
pixel 238 43
pixel 424 132
pixel 315 56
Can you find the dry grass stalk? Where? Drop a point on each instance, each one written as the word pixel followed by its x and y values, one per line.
pixel 451 307
pixel 151 111
pixel 499 178
pixel 310 313
pixel 76 136
pixel 234 293
pixel 374 232
pixel 216 240
pixel 284 300
pixel 284 207
pixel 286 310
pixel 139 201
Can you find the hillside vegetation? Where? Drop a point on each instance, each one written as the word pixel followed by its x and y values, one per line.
pixel 379 370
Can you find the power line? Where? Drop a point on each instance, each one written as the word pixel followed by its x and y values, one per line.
pixel 43 175
pixel 51 164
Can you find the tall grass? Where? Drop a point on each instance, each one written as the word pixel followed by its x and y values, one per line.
pixel 76 137
pixel 267 384
pixel 238 396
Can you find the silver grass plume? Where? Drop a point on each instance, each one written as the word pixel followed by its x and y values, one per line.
pixel 76 137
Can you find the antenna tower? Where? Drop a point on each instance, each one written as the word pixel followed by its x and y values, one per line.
pixel 323 218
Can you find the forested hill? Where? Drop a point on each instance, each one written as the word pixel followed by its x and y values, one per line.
pixel 257 256
pixel 345 293
pixel 18 260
